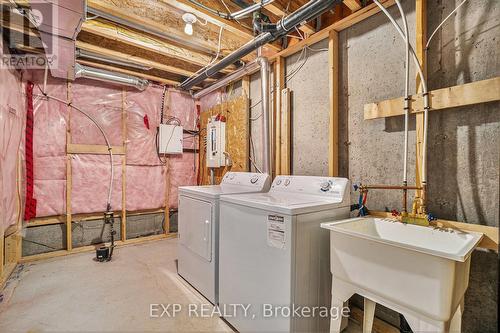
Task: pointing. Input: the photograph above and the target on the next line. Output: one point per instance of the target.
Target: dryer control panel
(260, 181)
(333, 187)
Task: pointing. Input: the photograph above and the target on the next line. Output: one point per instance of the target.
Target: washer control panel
(325, 186)
(257, 180)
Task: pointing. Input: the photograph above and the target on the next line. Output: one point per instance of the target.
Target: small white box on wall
(170, 139)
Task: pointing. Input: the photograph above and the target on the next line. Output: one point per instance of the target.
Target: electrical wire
(96, 123)
(441, 24)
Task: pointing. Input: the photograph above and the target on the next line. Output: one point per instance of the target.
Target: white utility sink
(421, 272)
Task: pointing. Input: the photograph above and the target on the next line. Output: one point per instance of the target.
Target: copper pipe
(389, 187)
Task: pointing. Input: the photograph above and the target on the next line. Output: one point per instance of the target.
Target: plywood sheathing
(237, 134)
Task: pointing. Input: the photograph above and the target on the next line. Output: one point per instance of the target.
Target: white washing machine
(273, 252)
(199, 228)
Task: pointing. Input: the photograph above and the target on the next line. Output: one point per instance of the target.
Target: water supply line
(108, 76)
(305, 13)
(425, 95)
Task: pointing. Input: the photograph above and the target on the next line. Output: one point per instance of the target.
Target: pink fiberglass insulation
(91, 182)
(12, 125)
(145, 187)
(182, 106)
(209, 101)
(104, 103)
(50, 185)
(182, 173)
(143, 109)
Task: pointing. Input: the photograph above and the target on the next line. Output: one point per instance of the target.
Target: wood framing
(148, 43)
(279, 82)
(90, 248)
(353, 5)
(466, 94)
(333, 64)
(285, 133)
(69, 175)
(421, 34)
(123, 224)
(278, 10)
(72, 148)
(338, 26)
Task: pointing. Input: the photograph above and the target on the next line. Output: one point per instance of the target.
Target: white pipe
(441, 24)
(267, 163)
(407, 92)
(424, 88)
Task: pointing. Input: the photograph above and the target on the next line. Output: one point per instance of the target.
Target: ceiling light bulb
(189, 29)
(189, 19)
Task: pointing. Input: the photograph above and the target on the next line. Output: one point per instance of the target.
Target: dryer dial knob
(326, 186)
(254, 180)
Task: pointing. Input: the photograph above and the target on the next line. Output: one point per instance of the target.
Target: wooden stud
(166, 220)
(333, 60)
(245, 86)
(421, 33)
(465, 94)
(353, 5)
(73, 148)
(285, 131)
(279, 82)
(69, 175)
(123, 230)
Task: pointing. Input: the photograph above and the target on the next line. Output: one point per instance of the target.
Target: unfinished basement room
(249, 166)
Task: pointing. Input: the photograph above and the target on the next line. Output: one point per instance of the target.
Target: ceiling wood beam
(148, 43)
(278, 10)
(132, 58)
(228, 25)
(353, 5)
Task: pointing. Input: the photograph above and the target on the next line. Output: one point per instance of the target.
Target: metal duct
(267, 121)
(250, 9)
(303, 14)
(108, 76)
(99, 57)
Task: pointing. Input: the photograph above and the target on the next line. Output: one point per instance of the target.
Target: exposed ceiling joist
(353, 5)
(132, 58)
(149, 43)
(279, 10)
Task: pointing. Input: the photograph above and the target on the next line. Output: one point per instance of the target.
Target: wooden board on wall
(236, 112)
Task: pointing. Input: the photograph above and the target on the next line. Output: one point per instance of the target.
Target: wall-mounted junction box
(170, 139)
(216, 143)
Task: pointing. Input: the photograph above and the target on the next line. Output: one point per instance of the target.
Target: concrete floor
(75, 293)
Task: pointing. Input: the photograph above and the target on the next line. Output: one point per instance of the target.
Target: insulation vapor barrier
(12, 127)
(148, 182)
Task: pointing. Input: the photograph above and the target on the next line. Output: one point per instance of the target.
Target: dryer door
(195, 226)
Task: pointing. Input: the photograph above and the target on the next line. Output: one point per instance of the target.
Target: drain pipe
(267, 161)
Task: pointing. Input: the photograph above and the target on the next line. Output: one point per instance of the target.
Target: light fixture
(190, 19)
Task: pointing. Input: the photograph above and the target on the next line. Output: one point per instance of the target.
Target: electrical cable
(441, 24)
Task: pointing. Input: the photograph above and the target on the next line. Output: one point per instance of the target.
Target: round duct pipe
(108, 76)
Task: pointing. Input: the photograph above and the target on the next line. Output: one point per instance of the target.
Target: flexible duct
(303, 14)
(108, 76)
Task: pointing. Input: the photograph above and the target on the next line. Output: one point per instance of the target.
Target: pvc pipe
(424, 88)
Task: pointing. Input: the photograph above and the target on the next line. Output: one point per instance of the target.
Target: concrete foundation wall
(48, 238)
(463, 155)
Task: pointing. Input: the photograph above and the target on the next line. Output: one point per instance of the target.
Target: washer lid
(285, 203)
(233, 182)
